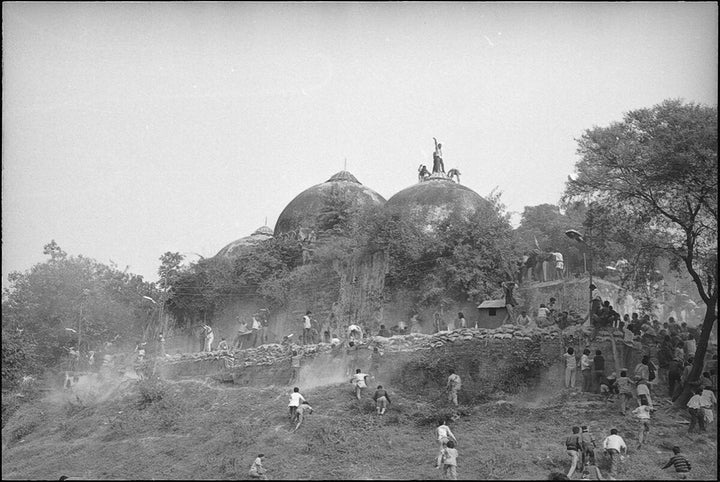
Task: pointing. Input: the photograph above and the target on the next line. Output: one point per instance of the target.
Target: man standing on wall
(263, 327)
(510, 303)
(255, 337)
(307, 327)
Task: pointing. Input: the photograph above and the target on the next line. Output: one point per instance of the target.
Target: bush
(485, 369)
(18, 358)
(151, 391)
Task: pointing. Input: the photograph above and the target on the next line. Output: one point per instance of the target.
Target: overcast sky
(132, 129)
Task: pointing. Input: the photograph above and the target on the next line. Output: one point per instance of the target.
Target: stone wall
(482, 357)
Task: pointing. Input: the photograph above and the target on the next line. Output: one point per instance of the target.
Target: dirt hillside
(194, 429)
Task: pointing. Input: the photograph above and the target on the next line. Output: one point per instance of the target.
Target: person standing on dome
(438, 165)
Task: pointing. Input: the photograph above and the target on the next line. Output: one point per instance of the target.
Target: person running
(382, 400)
(449, 461)
(570, 368)
(453, 385)
(444, 435)
(608, 386)
(643, 393)
(360, 382)
(679, 461)
(615, 447)
(573, 445)
(642, 415)
(300, 413)
(257, 471)
(295, 400)
(588, 446)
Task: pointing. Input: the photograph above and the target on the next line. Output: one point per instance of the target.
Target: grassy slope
(204, 431)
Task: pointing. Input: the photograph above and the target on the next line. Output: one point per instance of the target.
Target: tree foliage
(68, 301)
(656, 171)
(462, 258)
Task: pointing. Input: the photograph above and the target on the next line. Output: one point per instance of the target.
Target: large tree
(73, 301)
(657, 169)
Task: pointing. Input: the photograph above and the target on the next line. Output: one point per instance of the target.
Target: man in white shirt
(359, 379)
(307, 328)
(295, 400)
(615, 447)
(642, 414)
(559, 265)
(444, 434)
(257, 471)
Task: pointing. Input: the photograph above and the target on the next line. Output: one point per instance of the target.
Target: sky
(133, 129)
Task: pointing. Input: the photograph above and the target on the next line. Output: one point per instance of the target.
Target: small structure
(492, 313)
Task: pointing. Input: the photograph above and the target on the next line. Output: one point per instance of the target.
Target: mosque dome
(236, 247)
(435, 198)
(304, 210)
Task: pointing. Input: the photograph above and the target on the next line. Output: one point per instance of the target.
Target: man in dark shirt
(573, 444)
(598, 370)
(674, 374)
(382, 400)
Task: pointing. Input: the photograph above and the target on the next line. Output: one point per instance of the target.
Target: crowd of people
(673, 348)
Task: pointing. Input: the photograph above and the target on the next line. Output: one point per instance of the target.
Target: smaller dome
(303, 211)
(238, 246)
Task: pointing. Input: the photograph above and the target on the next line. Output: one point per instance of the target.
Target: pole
(589, 250)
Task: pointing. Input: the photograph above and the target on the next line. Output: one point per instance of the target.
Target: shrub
(151, 391)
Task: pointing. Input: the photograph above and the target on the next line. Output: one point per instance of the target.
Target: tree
(657, 169)
(547, 224)
(462, 258)
(71, 301)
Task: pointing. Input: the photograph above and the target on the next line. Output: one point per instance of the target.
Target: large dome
(236, 247)
(435, 198)
(303, 211)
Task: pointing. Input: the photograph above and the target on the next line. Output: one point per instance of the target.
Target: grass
(196, 430)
